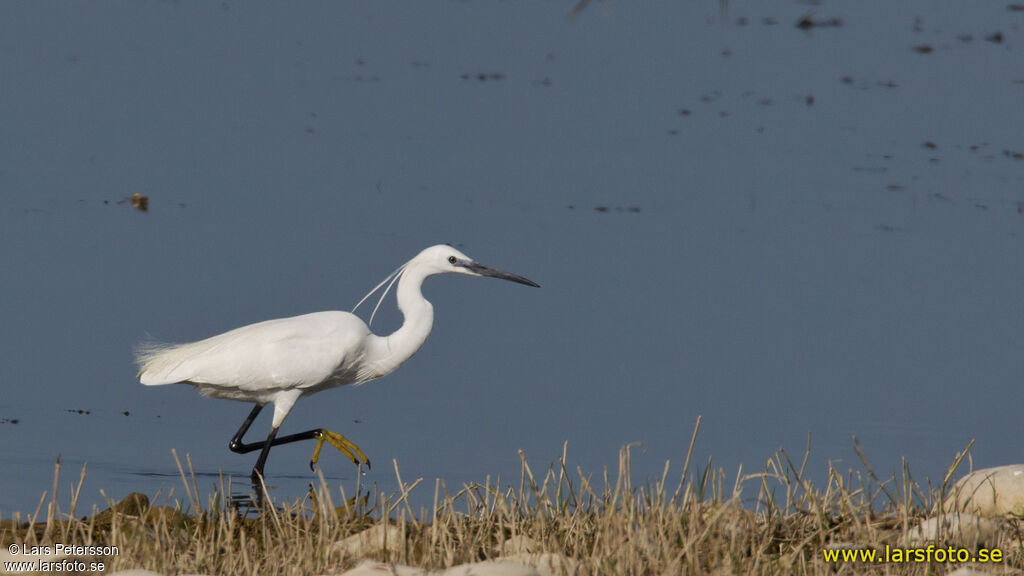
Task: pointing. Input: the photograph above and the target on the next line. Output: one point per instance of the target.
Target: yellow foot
(344, 445)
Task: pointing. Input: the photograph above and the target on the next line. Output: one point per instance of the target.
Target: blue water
(786, 231)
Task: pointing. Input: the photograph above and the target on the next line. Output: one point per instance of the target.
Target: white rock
(548, 564)
(371, 568)
(990, 492)
(962, 528)
(374, 539)
(846, 546)
(966, 571)
(519, 565)
(491, 568)
(488, 568)
(518, 544)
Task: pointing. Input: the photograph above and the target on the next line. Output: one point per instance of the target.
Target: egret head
(443, 259)
(440, 259)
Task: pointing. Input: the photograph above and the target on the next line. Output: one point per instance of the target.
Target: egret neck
(386, 353)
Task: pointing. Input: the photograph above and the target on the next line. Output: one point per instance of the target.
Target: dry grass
(693, 523)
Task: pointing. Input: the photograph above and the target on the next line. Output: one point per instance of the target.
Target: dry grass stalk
(697, 526)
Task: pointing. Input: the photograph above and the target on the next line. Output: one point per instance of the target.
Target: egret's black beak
(485, 271)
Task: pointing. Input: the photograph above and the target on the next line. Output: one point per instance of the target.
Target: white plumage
(279, 361)
(250, 362)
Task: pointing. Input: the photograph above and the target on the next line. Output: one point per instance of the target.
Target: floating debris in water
(886, 228)
(9, 420)
(930, 145)
(137, 201)
(483, 76)
(578, 8)
(923, 49)
(605, 209)
(79, 411)
(710, 96)
(806, 22)
(996, 38)
(140, 202)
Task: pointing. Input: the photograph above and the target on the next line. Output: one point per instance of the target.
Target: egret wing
(300, 351)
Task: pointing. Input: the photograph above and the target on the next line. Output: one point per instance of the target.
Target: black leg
(257, 470)
(335, 439)
(236, 444)
(240, 447)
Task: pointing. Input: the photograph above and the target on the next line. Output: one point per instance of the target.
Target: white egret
(279, 361)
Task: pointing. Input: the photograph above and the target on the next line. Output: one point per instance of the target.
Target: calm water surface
(787, 231)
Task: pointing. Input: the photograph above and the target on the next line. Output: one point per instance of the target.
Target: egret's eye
(452, 260)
